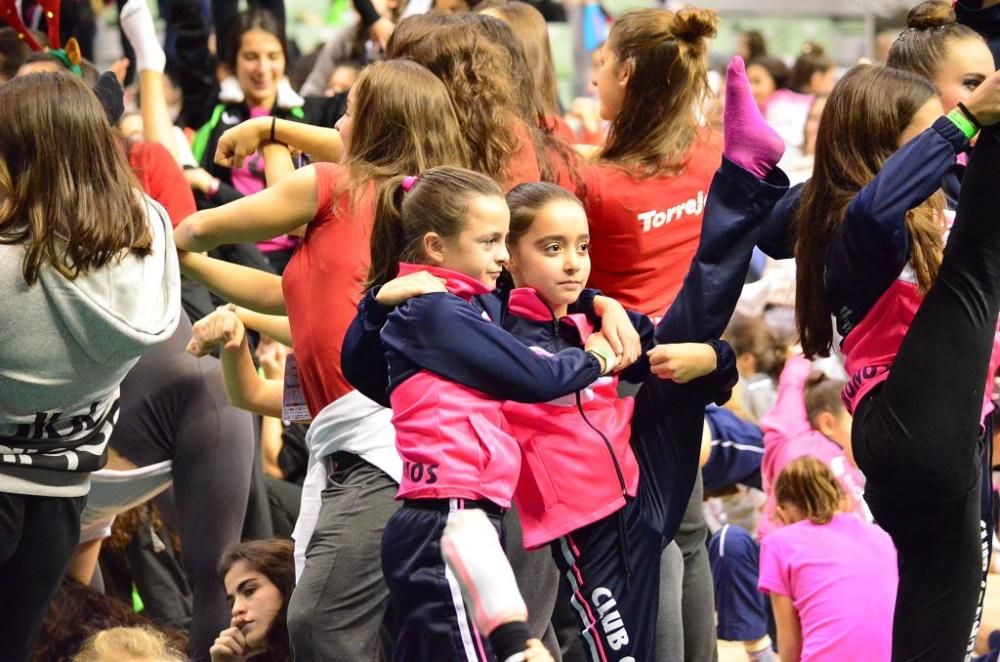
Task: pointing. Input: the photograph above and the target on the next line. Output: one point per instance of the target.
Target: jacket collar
(525, 303)
(457, 283)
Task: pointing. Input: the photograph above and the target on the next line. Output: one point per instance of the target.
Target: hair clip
(409, 182)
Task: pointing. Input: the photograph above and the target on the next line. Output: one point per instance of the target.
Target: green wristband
(963, 123)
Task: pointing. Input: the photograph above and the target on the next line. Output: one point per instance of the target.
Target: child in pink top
(808, 419)
(831, 576)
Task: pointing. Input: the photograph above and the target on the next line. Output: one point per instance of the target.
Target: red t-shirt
(523, 166)
(162, 179)
(557, 123)
(323, 283)
(644, 232)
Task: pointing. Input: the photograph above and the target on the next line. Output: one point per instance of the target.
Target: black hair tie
(969, 116)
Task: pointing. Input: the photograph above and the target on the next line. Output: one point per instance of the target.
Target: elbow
(190, 235)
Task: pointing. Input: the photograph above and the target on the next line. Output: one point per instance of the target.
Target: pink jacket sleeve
(788, 416)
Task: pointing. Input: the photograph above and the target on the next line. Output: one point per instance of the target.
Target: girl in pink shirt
(831, 576)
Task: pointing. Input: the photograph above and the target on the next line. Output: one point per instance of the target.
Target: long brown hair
(930, 28)
(273, 558)
(404, 123)
(536, 122)
(531, 30)
(658, 122)
(810, 486)
(859, 130)
(66, 192)
(476, 72)
(437, 202)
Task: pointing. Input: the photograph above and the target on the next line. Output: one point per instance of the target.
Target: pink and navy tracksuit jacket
(579, 464)
(869, 283)
(449, 368)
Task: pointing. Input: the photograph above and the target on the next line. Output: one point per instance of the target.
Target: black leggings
(917, 436)
(174, 406)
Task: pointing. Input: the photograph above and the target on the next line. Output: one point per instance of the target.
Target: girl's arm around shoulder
(363, 358)
(445, 335)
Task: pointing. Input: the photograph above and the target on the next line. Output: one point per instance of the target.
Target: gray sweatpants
(689, 621)
(538, 579)
(339, 603)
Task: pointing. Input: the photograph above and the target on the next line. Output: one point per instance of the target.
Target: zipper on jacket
(623, 542)
(607, 444)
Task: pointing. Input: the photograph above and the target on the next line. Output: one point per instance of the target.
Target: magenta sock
(751, 143)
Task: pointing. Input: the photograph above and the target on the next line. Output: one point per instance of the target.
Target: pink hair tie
(408, 182)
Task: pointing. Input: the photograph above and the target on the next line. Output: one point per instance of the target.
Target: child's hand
(617, 328)
(219, 329)
(682, 362)
(404, 288)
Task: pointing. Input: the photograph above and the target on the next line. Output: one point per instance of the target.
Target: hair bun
(694, 25)
(930, 14)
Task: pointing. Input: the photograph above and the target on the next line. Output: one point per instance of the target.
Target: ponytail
(668, 85)
(810, 486)
(388, 240)
(407, 208)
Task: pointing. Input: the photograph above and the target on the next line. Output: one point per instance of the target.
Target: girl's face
(260, 65)
(610, 81)
(930, 111)
(553, 256)
(761, 84)
(255, 600)
(823, 82)
(480, 249)
(969, 63)
(345, 125)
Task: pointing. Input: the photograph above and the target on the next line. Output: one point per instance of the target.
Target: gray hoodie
(65, 346)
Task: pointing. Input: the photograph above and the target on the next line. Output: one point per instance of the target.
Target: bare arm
(245, 286)
(789, 628)
(274, 211)
(239, 142)
(271, 355)
(244, 387)
(277, 162)
(156, 124)
(275, 326)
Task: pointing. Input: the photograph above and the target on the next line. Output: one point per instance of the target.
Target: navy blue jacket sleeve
(737, 205)
(447, 336)
(737, 451)
(873, 244)
(910, 176)
(777, 235)
(363, 356)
